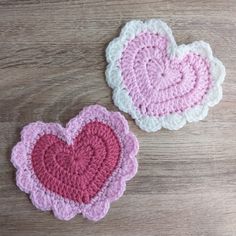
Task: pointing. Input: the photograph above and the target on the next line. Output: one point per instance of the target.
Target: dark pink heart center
(160, 85)
(77, 171)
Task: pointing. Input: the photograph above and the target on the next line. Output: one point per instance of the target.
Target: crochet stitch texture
(159, 83)
(81, 168)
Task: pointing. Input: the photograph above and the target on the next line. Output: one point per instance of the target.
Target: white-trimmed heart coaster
(159, 83)
(81, 168)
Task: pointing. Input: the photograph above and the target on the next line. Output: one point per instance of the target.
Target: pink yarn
(78, 169)
(160, 85)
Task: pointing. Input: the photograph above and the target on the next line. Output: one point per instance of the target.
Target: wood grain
(52, 64)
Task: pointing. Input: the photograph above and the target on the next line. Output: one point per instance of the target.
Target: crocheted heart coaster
(159, 83)
(81, 168)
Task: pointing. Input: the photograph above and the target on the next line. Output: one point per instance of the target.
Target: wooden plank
(52, 64)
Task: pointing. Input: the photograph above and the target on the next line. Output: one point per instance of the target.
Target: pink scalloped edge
(112, 190)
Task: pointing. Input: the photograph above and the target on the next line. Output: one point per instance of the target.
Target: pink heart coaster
(81, 168)
(159, 83)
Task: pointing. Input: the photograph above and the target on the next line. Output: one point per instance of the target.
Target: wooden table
(52, 64)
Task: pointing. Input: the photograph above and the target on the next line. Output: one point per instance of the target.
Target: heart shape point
(76, 169)
(159, 83)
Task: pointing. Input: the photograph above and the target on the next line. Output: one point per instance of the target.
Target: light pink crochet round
(160, 85)
(78, 169)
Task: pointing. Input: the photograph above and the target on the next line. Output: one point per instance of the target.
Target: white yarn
(124, 101)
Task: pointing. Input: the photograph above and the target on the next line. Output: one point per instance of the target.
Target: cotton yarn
(81, 168)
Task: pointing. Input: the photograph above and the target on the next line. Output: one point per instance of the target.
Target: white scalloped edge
(121, 97)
